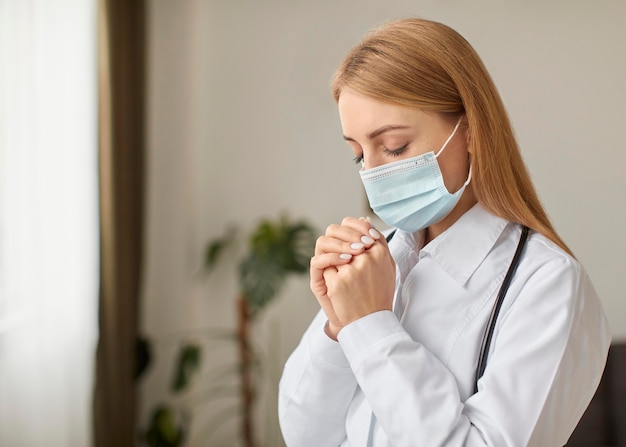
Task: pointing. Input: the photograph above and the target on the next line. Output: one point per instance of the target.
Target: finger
(319, 264)
(329, 244)
(353, 232)
(332, 279)
(373, 230)
(329, 274)
(325, 260)
(348, 233)
(363, 226)
(379, 252)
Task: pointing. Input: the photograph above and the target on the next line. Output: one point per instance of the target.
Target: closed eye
(358, 159)
(396, 152)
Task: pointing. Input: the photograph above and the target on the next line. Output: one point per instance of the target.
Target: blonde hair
(427, 65)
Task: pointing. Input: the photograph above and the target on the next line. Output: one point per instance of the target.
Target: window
(48, 221)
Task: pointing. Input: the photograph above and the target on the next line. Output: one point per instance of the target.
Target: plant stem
(245, 371)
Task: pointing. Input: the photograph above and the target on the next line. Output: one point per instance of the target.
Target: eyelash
(393, 152)
(396, 152)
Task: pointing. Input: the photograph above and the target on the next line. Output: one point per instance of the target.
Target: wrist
(331, 330)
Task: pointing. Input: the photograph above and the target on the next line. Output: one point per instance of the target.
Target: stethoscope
(488, 335)
(491, 324)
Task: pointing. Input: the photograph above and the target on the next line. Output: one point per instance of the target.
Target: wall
(242, 126)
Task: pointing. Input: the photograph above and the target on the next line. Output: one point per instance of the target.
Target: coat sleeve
(315, 391)
(545, 363)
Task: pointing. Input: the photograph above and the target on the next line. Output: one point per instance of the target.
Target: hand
(364, 285)
(345, 246)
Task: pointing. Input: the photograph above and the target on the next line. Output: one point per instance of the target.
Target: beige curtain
(121, 26)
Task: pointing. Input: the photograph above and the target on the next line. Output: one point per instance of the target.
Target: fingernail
(375, 234)
(367, 240)
(345, 255)
(356, 246)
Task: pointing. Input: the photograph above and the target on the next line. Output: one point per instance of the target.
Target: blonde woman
(471, 323)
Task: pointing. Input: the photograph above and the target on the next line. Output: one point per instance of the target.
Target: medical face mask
(410, 194)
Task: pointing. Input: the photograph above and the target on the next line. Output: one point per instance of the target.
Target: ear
(466, 131)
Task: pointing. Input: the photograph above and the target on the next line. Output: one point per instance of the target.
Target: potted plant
(275, 250)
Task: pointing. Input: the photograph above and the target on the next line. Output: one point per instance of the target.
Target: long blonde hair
(427, 65)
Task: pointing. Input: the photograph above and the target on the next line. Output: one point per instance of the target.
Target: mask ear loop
(449, 138)
(469, 175)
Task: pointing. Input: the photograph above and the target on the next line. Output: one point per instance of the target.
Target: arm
(317, 385)
(534, 389)
(315, 391)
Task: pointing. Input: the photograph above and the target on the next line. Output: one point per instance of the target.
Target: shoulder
(541, 252)
(548, 270)
(557, 274)
(551, 282)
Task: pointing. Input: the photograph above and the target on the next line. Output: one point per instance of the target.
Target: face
(380, 132)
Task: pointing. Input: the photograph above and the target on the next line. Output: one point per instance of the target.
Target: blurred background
(136, 135)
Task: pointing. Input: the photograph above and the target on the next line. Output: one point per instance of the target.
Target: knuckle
(346, 220)
(331, 228)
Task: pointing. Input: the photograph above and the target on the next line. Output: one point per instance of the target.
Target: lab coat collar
(461, 248)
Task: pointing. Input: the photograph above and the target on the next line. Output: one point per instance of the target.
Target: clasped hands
(352, 273)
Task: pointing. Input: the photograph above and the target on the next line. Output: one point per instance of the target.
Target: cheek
(455, 171)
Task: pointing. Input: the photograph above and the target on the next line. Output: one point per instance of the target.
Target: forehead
(360, 114)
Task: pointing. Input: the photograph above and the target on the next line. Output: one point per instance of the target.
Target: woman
(391, 359)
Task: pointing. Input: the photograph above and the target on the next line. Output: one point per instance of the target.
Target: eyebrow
(379, 131)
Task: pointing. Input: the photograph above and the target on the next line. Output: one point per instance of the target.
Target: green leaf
(187, 364)
(163, 430)
(216, 247)
(276, 249)
(261, 280)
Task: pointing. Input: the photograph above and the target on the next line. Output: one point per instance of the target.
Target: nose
(371, 159)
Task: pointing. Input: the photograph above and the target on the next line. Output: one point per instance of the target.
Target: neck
(467, 201)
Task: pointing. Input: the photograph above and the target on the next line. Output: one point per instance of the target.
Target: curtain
(121, 143)
(48, 222)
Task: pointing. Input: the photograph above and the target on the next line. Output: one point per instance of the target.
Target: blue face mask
(410, 194)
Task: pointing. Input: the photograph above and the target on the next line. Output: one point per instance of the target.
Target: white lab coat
(406, 378)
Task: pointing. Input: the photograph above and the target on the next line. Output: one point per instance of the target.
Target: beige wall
(241, 126)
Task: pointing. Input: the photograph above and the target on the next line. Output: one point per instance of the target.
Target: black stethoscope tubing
(491, 325)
